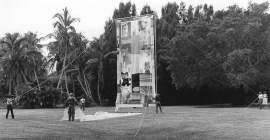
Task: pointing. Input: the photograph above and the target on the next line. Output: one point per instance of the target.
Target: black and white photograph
(134, 69)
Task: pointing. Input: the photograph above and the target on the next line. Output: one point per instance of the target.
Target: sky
(36, 15)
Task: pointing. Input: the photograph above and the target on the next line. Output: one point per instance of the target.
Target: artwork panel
(125, 30)
(136, 44)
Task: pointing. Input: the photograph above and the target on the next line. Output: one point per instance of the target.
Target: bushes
(46, 98)
(29, 100)
(50, 97)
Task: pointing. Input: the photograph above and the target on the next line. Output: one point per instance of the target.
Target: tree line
(203, 57)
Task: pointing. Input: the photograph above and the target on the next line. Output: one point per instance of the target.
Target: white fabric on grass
(79, 115)
(106, 115)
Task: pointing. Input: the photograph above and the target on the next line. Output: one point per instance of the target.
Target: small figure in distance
(265, 99)
(158, 103)
(82, 103)
(260, 97)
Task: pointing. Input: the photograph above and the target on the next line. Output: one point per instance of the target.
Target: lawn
(183, 122)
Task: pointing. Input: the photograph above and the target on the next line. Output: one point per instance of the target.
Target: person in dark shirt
(158, 104)
(10, 107)
(70, 103)
(260, 97)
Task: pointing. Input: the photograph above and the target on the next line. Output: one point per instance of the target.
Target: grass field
(184, 122)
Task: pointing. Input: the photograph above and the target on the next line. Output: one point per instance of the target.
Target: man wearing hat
(70, 103)
(10, 106)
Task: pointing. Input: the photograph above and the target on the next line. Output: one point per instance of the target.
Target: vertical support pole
(155, 51)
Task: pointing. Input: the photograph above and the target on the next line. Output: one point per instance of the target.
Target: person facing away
(260, 97)
(70, 103)
(10, 107)
(158, 103)
(82, 103)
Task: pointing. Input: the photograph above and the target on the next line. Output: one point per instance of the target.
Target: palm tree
(80, 68)
(64, 29)
(13, 59)
(35, 58)
(102, 52)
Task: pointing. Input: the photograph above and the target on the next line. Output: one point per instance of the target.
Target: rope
(141, 122)
(253, 101)
(155, 80)
(253, 91)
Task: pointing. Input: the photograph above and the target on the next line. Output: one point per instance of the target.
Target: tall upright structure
(136, 61)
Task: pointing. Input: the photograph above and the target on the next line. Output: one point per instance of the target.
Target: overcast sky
(36, 15)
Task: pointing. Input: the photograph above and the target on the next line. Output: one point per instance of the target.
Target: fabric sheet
(79, 115)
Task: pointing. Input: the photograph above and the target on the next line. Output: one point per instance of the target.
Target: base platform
(133, 105)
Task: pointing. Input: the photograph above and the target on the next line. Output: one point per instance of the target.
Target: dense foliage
(204, 57)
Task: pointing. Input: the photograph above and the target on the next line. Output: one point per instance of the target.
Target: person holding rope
(158, 103)
(70, 103)
(10, 106)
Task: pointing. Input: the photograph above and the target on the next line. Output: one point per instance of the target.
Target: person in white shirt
(82, 103)
(265, 99)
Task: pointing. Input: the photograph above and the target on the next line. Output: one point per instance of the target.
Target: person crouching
(70, 103)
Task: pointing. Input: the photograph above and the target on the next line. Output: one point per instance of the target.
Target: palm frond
(6, 43)
(72, 70)
(59, 17)
(72, 20)
(72, 29)
(19, 42)
(109, 53)
(91, 61)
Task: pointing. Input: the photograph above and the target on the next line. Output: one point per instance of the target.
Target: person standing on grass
(82, 103)
(260, 97)
(71, 102)
(10, 107)
(158, 104)
(265, 99)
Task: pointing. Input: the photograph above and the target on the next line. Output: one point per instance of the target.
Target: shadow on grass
(253, 105)
(219, 106)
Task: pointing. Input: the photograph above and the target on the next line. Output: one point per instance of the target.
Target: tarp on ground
(79, 115)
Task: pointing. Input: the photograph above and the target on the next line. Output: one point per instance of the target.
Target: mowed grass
(184, 122)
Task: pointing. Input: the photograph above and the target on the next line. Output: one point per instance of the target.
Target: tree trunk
(9, 87)
(24, 77)
(63, 68)
(37, 80)
(98, 83)
(73, 84)
(99, 98)
(85, 83)
(88, 93)
(66, 82)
